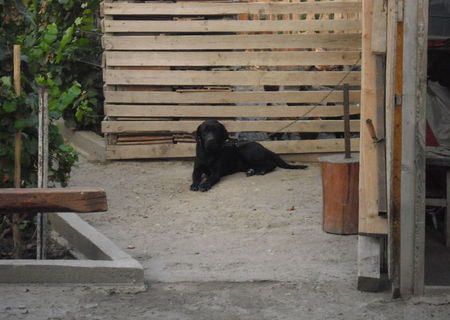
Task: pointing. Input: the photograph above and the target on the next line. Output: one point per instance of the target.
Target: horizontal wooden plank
(187, 150)
(280, 58)
(225, 111)
(182, 26)
(32, 200)
(231, 125)
(218, 78)
(215, 8)
(229, 97)
(232, 42)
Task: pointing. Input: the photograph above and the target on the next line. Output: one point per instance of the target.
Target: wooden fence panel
(268, 66)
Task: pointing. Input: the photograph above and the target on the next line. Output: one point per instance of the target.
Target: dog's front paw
(205, 186)
(250, 172)
(194, 187)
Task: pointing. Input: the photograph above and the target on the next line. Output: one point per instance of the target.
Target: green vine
(60, 47)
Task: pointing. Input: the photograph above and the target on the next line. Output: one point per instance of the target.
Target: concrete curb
(107, 265)
(89, 144)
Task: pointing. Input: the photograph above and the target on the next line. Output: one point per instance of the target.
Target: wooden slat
(229, 25)
(34, 200)
(208, 8)
(186, 150)
(370, 222)
(285, 58)
(229, 97)
(216, 42)
(249, 78)
(231, 125)
(225, 111)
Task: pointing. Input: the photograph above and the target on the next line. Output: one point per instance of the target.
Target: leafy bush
(59, 49)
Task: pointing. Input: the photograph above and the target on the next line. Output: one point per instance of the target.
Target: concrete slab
(106, 264)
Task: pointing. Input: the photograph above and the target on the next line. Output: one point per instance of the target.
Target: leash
(320, 102)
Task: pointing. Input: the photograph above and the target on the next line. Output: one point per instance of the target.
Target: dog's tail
(282, 164)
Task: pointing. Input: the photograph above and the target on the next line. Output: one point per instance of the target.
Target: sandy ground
(235, 252)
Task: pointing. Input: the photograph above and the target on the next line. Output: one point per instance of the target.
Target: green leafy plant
(59, 47)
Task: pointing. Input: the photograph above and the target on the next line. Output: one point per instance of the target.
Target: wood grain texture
(224, 111)
(282, 58)
(165, 97)
(182, 26)
(225, 78)
(231, 125)
(187, 150)
(228, 42)
(208, 8)
(33, 200)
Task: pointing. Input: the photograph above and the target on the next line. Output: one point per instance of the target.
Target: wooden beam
(228, 42)
(214, 8)
(412, 254)
(241, 97)
(277, 58)
(183, 26)
(226, 78)
(231, 125)
(370, 221)
(33, 200)
(187, 150)
(224, 111)
(379, 27)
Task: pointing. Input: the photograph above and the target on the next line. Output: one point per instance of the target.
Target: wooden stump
(340, 193)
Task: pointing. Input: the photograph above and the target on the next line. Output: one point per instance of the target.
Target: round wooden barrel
(340, 180)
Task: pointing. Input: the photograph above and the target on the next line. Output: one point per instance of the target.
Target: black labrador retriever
(216, 157)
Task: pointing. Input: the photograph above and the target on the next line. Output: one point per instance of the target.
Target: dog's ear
(198, 136)
(224, 133)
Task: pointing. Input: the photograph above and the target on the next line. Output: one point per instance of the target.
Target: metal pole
(41, 225)
(347, 122)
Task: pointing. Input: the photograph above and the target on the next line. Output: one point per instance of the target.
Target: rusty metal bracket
(372, 132)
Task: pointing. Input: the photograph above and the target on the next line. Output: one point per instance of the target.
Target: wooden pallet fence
(170, 65)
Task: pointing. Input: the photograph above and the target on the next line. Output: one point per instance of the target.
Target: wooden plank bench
(34, 200)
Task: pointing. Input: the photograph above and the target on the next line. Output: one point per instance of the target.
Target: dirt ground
(250, 248)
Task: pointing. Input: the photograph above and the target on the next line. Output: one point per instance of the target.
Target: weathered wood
(393, 141)
(369, 271)
(17, 241)
(280, 58)
(187, 150)
(340, 194)
(447, 213)
(370, 221)
(33, 200)
(41, 221)
(379, 27)
(228, 25)
(412, 245)
(226, 42)
(224, 111)
(231, 125)
(218, 78)
(208, 8)
(229, 97)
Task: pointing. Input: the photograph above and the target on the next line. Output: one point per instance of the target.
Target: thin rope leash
(321, 101)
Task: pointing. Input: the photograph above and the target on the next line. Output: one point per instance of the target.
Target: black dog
(215, 157)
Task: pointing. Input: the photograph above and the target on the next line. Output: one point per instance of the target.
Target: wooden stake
(17, 157)
(41, 227)
(347, 121)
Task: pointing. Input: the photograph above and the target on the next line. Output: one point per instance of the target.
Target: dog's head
(211, 135)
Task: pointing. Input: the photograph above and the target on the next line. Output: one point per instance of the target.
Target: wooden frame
(169, 65)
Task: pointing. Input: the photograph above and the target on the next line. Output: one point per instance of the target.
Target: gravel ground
(250, 248)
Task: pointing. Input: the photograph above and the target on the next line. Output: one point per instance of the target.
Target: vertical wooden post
(17, 156)
(394, 80)
(41, 226)
(347, 121)
(412, 238)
